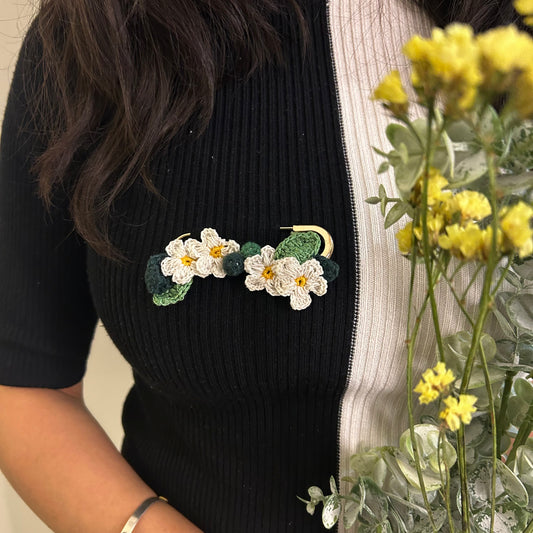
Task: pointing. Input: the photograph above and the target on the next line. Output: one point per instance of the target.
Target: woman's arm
(63, 464)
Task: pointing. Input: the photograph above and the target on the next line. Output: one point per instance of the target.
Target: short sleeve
(47, 318)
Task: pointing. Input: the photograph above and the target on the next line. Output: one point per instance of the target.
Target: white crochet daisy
(211, 252)
(181, 261)
(298, 280)
(261, 271)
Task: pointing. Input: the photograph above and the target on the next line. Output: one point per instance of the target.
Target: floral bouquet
(465, 182)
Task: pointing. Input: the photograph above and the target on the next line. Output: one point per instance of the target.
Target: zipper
(354, 219)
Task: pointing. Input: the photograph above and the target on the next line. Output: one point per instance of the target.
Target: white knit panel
(367, 38)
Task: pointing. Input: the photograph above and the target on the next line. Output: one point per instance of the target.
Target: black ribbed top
(235, 406)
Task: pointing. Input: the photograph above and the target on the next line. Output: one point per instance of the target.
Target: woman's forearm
(65, 467)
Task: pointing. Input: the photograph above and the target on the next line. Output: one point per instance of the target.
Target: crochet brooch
(295, 268)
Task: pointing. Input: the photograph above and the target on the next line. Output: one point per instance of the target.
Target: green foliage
(420, 486)
(408, 157)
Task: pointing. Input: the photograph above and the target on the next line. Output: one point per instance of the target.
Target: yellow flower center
(216, 251)
(268, 273)
(186, 260)
(301, 281)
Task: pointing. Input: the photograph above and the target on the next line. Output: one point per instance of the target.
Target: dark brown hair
(480, 14)
(124, 76)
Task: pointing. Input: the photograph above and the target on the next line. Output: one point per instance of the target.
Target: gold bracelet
(133, 520)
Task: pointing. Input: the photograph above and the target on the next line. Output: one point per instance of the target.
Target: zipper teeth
(354, 219)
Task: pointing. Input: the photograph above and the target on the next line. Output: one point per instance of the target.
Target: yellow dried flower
(458, 411)
(436, 184)
(487, 242)
(404, 238)
(471, 204)
(521, 94)
(392, 93)
(467, 243)
(505, 54)
(435, 223)
(525, 8)
(448, 63)
(434, 382)
(516, 226)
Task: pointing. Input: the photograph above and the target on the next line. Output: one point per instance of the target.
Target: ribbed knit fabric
(374, 406)
(240, 403)
(234, 411)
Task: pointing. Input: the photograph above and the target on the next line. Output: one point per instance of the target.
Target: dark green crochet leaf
(302, 245)
(175, 294)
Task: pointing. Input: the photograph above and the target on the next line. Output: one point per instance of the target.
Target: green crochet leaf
(302, 245)
(175, 294)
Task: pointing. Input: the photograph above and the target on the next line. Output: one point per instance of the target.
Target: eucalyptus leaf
(310, 508)
(459, 131)
(478, 387)
(383, 167)
(396, 518)
(512, 486)
(502, 297)
(403, 153)
(398, 134)
(408, 156)
(507, 350)
(407, 174)
(315, 493)
(506, 328)
(397, 211)
(520, 153)
(513, 279)
(479, 483)
(331, 511)
(508, 518)
(525, 349)
(333, 485)
(363, 462)
(525, 270)
(489, 346)
(523, 465)
(429, 439)
(470, 169)
(446, 456)
(383, 527)
(379, 152)
(520, 310)
(517, 410)
(513, 183)
(373, 200)
(456, 350)
(507, 483)
(423, 525)
(375, 502)
(508, 367)
(476, 431)
(490, 125)
(524, 390)
(351, 513)
(431, 481)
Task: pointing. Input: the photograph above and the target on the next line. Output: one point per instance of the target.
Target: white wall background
(108, 377)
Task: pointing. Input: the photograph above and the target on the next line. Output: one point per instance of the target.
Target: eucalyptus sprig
(464, 180)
